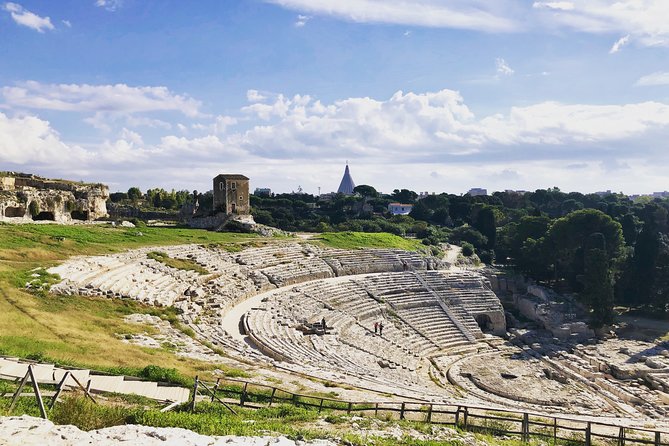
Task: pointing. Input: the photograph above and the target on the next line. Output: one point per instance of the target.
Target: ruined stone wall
(25, 198)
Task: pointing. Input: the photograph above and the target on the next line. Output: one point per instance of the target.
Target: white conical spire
(347, 185)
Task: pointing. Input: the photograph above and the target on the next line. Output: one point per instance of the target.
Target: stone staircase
(14, 368)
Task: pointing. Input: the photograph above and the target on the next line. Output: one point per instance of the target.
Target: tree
(366, 191)
(485, 223)
(597, 281)
(404, 196)
(134, 193)
(569, 235)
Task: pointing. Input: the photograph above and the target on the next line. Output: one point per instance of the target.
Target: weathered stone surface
(26, 198)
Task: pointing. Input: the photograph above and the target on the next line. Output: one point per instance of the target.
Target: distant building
(604, 193)
(262, 192)
(476, 191)
(425, 194)
(347, 185)
(399, 208)
(664, 194)
(231, 194)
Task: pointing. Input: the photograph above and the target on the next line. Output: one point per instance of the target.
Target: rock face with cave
(25, 198)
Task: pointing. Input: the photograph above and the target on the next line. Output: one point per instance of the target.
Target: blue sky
(431, 95)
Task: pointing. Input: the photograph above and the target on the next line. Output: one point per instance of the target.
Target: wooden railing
(526, 425)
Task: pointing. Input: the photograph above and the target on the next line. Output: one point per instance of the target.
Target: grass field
(78, 330)
(356, 240)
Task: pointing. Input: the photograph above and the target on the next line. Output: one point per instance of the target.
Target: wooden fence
(525, 425)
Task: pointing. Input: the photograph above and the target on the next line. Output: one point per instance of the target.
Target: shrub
(34, 209)
(87, 415)
(157, 373)
(467, 249)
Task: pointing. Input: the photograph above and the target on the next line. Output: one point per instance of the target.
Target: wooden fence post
(402, 411)
(350, 406)
(554, 429)
(621, 436)
(59, 389)
(429, 414)
(457, 417)
(376, 409)
(218, 380)
(18, 392)
(38, 394)
(526, 428)
(321, 406)
(242, 396)
(466, 413)
(192, 403)
(588, 431)
(271, 398)
(657, 438)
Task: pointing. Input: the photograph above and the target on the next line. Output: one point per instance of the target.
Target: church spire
(347, 185)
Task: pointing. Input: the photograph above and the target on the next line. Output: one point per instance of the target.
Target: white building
(399, 208)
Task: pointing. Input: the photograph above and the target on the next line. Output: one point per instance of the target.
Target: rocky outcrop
(27, 198)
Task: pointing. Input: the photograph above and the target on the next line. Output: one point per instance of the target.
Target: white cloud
(132, 137)
(255, 96)
(26, 18)
(67, 23)
(411, 126)
(109, 5)
(302, 20)
(619, 44)
(644, 20)
(503, 69)
(302, 137)
(658, 78)
(473, 14)
(30, 140)
(118, 98)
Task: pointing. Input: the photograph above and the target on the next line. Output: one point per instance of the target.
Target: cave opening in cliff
(79, 215)
(44, 216)
(15, 211)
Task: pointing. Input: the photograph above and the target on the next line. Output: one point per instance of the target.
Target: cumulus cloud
(503, 69)
(474, 14)
(658, 78)
(410, 126)
(619, 44)
(422, 132)
(30, 140)
(23, 17)
(97, 98)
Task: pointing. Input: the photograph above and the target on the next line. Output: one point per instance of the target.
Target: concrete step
(102, 383)
(143, 388)
(81, 375)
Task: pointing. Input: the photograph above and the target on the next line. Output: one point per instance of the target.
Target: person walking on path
(380, 328)
(376, 327)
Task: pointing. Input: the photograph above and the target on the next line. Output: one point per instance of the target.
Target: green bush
(87, 415)
(157, 373)
(34, 209)
(467, 249)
